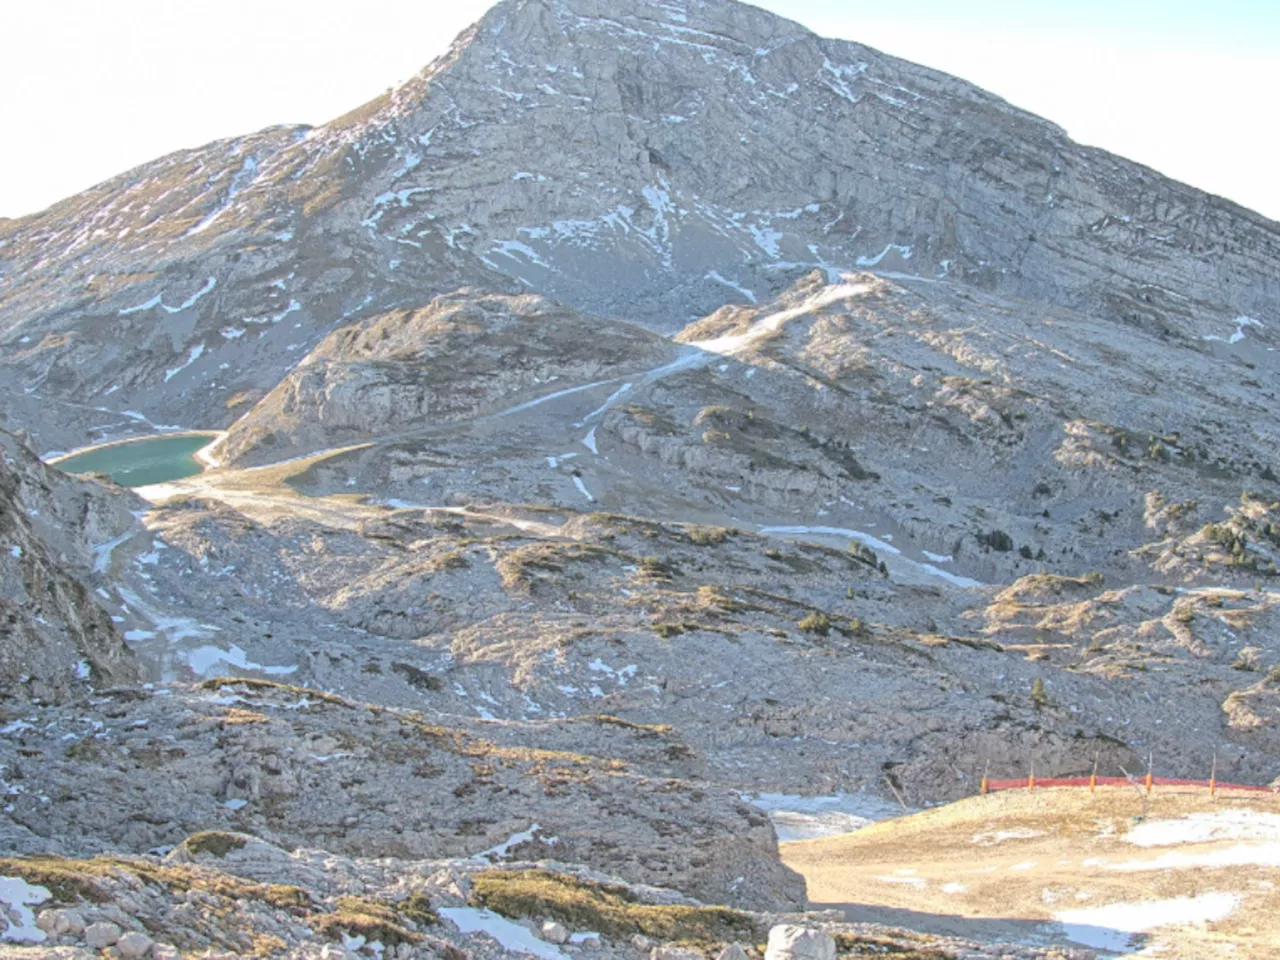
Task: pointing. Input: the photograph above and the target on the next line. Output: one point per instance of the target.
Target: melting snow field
(1112, 927)
(808, 818)
(886, 551)
(1241, 855)
(205, 660)
(511, 936)
(503, 849)
(1207, 828)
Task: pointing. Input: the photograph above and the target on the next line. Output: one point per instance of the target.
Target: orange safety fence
(1033, 782)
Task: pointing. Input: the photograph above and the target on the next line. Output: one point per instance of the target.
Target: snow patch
(192, 357)
(503, 849)
(873, 261)
(1241, 855)
(529, 404)
(158, 301)
(714, 275)
(613, 398)
(1241, 323)
(1207, 828)
(1112, 927)
(102, 552)
(510, 935)
(582, 488)
(20, 896)
(806, 818)
(203, 660)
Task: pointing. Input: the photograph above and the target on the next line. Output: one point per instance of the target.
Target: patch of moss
(606, 908)
(708, 536)
(818, 623)
(73, 881)
(215, 842)
(866, 945)
(375, 920)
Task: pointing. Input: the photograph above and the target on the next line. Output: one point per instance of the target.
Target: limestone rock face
(646, 161)
(788, 941)
(460, 356)
(54, 636)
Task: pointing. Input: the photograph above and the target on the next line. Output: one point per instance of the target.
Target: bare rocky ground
(559, 509)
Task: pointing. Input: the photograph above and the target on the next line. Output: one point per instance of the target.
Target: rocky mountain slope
(461, 355)
(55, 636)
(690, 154)
(648, 414)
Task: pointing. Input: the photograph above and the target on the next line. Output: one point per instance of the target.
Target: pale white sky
(90, 88)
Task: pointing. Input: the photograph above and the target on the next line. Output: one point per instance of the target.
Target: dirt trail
(1197, 874)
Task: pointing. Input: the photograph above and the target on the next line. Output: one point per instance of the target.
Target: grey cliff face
(55, 637)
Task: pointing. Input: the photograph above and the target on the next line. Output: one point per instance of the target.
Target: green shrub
(214, 842)
(818, 623)
(863, 554)
(996, 540)
(1039, 695)
(708, 536)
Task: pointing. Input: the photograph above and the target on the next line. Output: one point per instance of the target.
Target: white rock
(554, 932)
(791, 942)
(99, 935)
(48, 921)
(163, 951)
(733, 951)
(669, 952)
(133, 946)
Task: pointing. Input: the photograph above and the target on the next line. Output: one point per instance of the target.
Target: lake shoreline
(142, 461)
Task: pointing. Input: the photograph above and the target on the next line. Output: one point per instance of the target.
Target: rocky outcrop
(460, 356)
(55, 638)
(300, 768)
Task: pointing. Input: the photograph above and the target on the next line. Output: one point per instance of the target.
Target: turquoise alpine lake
(138, 463)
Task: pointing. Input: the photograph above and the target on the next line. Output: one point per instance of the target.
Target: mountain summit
(641, 160)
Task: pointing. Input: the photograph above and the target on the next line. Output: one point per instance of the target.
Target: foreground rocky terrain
(814, 426)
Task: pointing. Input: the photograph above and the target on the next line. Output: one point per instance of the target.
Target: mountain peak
(689, 152)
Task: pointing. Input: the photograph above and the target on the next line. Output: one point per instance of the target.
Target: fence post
(1093, 777)
(1213, 776)
(1031, 777)
(1150, 757)
(985, 777)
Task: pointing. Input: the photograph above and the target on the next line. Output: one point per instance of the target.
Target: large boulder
(788, 941)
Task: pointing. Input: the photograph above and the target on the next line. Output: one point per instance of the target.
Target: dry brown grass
(75, 881)
(605, 908)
